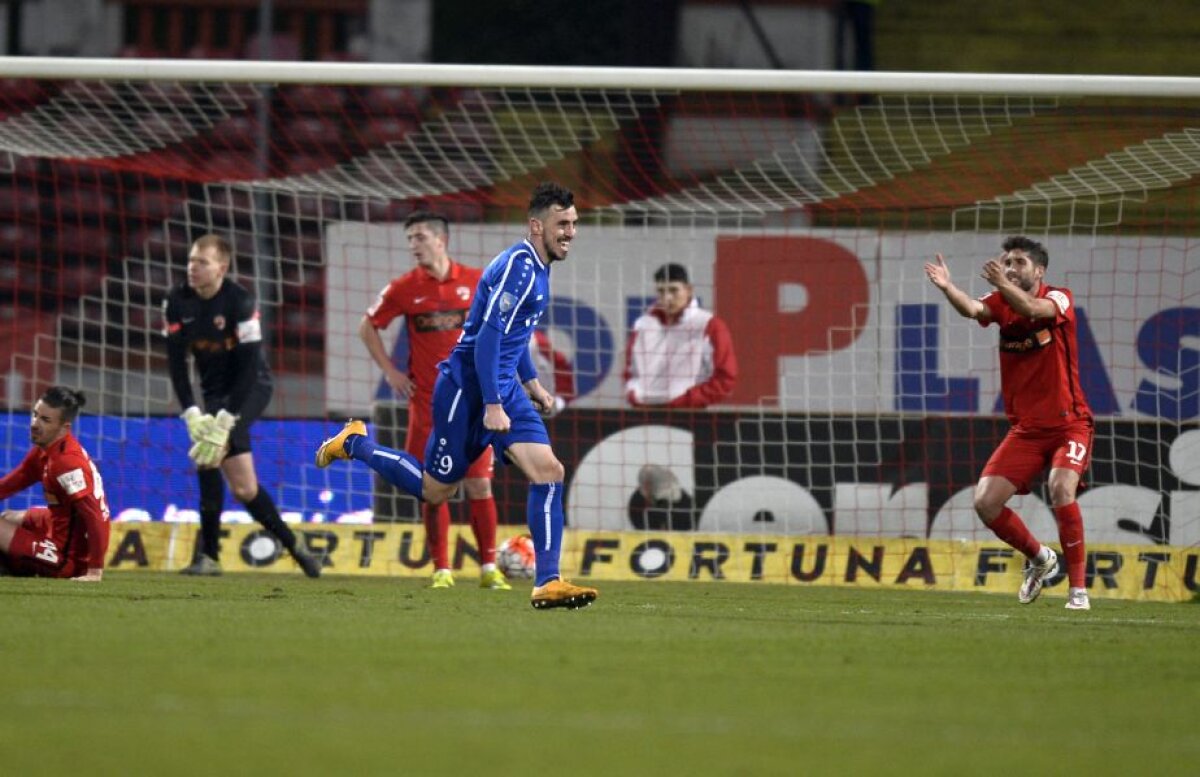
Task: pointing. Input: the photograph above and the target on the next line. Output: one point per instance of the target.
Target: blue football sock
(402, 470)
(545, 516)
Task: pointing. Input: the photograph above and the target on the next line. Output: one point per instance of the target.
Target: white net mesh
(863, 406)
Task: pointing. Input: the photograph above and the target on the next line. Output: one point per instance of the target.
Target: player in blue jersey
(487, 393)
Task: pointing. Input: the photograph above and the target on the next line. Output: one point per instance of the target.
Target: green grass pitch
(159, 674)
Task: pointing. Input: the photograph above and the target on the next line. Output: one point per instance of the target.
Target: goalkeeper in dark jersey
(216, 321)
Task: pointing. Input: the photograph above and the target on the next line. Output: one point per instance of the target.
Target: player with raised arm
(216, 321)
(434, 298)
(1051, 423)
(68, 537)
(488, 394)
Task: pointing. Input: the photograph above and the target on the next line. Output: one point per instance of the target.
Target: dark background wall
(531, 32)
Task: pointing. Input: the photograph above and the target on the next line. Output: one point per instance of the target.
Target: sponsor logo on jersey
(212, 346)
(1039, 339)
(72, 482)
(439, 320)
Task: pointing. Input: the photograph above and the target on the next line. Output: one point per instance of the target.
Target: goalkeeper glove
(211, 447)
(197, 422)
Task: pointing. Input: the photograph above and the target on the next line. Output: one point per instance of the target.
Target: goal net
(802, 206)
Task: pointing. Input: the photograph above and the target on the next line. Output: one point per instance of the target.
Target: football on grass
(515, 557)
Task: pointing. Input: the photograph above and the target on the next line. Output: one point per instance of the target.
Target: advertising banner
(1121, 572)
(742, 472)
(826, 321)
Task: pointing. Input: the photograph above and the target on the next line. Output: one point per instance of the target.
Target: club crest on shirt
(463, 292)
(219, 322)
(508, 301)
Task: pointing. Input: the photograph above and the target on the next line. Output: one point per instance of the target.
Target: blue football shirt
(493, 351)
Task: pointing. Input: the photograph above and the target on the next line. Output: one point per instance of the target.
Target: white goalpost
(803, 205)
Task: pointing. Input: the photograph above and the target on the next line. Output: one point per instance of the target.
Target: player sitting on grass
(69, 537)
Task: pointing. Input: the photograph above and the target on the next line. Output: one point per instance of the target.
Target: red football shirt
(68, 477)
(1039, 362)
(434, 312)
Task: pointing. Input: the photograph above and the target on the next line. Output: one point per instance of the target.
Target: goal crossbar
(683, 79)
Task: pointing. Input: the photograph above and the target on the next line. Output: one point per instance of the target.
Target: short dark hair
(218, 242)
(1032, 248)
(440, 223)
(671, 272)
(67, 400)
(546, 194)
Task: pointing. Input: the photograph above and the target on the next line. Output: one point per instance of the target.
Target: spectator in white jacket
(678, 355)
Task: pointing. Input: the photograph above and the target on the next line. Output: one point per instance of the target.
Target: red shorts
(420, 424)
(1026, 453)
(33, 553)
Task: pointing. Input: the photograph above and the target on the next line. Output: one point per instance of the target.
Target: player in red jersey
(69, 537)
(434, 298)
(1051, 423)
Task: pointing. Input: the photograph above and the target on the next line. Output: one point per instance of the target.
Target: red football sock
(1009, 527)
(1070, 534)
(437, 533)
(482, 515)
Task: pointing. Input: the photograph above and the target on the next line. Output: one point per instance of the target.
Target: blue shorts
(459, 436)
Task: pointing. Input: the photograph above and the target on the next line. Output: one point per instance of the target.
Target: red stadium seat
(343, 56)
(460, 211)
(313, 133)
(83, 202)
(394, 100)
(77, 280)
(81, 241)
(380, 132)
(19, 203)
(153, 204)
(165, 95)
(393, 210)
(141, 52)
(164, 128)
(298, 164)
(20, 241)
(280, 47)
(19, 94)
(238, 132)
(24, 167)
(313, 99)
(200, 51)
(166, 243)
(22, 282)
(229, 165)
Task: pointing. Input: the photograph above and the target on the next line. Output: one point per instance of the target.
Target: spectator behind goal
(678, 354)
